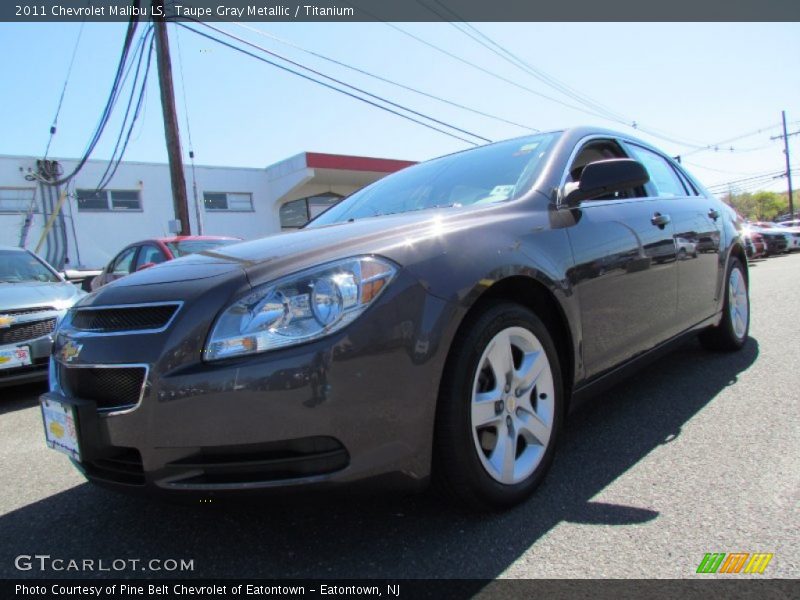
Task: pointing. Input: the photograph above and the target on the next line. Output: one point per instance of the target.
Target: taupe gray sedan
(436, 325)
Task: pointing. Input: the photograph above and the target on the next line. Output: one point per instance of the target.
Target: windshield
(493, 173)
(19, 267)
(185, 247)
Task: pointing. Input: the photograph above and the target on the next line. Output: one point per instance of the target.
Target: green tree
(759, 206)
(769, 205)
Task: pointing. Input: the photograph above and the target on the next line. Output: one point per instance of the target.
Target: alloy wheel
(738, 303)
(512, 407)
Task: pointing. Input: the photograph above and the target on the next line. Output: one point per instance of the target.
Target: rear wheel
(500, 410)
(732, 331)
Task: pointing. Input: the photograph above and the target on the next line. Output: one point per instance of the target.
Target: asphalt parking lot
(697, 453)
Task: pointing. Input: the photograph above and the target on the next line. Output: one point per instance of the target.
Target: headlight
(299, 308)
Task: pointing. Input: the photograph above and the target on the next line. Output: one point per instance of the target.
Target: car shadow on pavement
(394, 537)
(20, 397)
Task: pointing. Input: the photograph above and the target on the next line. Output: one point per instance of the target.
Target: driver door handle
(660, 220)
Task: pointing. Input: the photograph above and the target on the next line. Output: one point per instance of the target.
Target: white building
(137, 204)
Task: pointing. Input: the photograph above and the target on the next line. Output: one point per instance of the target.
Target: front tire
(732, 332)
(500, 409)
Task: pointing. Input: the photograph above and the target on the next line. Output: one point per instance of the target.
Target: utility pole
(785, 137)
(179, 199)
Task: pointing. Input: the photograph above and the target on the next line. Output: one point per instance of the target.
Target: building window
(297, 213)
(237, 202)
(17, 200)
(108, 200)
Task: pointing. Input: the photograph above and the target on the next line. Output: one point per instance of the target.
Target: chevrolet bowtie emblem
(69, 351)
(6, 321)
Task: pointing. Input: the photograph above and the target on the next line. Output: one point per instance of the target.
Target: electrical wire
(63, 91)
(115, 159)
(760, 176)
(106, 114)
(385, 79)
(460, 24)
(340, 82)
(716, 146)
(198, 213)
(715, 170)
(597, 110)
(324, 84)
(143, 46)
(482, 69)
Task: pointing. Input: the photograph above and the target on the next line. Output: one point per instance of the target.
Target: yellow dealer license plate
(13, 356)
(61, 427)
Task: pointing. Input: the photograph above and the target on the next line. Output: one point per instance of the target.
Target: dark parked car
(754, 244)
(148, 253)
(438, 323)
(775, 242)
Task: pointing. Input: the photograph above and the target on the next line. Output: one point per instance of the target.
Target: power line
(57, 179)
(478, 67)
(715, 170)
(329, 86)
(63, 90)
(385, 79)
(758, 177)
(115, 160)
(598, 109)
(563, 88)
(742, 180)
(716, 146)
(340, 82)
(508, 56)
(198, 213)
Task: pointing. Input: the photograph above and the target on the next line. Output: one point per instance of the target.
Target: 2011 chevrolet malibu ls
(437, 324)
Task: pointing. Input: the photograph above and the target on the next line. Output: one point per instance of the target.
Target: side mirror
(605, 177)
(146, 266)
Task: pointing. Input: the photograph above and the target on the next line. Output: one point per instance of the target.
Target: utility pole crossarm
(780, 137)
(179, 199)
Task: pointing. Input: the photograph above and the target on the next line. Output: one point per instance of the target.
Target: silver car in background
(33, 299)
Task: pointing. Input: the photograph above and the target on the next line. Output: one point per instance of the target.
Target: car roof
(12, 248)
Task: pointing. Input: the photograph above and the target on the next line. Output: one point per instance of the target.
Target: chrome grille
(22, 332)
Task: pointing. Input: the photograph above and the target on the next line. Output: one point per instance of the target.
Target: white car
(790, 233)
(792, 223)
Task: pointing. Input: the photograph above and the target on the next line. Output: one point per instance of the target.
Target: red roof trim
(317, 160)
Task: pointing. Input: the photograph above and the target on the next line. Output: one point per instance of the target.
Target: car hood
(36, 293)
(404, 238)
(408, 239)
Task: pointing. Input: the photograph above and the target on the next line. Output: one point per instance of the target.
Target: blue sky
(696, 82)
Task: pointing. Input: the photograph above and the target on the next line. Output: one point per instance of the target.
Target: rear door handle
(713, 214)
(660, 220)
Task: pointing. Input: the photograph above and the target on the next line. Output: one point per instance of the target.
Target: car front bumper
(36, 371)
(358, 405)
